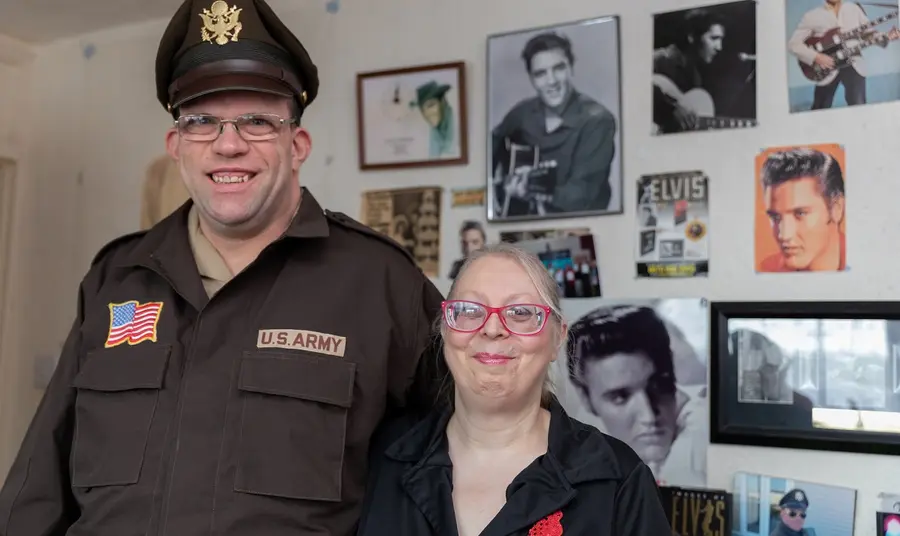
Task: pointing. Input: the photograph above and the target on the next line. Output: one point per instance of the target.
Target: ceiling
(41, 21)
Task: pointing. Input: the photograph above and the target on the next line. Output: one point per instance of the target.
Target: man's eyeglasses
(796, 513)
(519, 319)
(251, 127)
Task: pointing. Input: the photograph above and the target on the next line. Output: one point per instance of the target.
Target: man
(623, 368)
(471, 239)
(562, 142)
(226, 368)
(803, 194)
(792, 514)
(681, 67)
(815, 22)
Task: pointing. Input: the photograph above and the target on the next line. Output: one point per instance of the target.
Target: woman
(501, 457)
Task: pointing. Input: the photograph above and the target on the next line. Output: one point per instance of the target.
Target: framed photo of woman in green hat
(412, 117)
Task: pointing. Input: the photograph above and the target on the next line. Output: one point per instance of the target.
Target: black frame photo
(806, 375)
(554, 121)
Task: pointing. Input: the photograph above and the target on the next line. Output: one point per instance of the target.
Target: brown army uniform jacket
(248, 413)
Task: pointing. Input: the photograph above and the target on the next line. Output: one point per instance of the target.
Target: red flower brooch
(549, 526)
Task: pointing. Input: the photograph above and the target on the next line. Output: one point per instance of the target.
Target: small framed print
(806, 375)
(412, 117)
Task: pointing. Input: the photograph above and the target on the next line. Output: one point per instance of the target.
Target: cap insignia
(220, 22)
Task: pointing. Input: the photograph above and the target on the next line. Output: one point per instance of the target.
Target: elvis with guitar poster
(704, 68)
(841, 45)
(554, 120)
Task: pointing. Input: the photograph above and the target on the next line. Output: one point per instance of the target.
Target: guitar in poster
(673, 225)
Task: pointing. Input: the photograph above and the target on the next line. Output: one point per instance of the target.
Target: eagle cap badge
(221, 23)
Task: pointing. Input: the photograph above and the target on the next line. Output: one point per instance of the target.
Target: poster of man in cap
(794, 508)
(413, 116)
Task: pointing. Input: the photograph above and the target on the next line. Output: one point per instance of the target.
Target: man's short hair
(801, 163)
(607, 331)
(698, 21)
(472, 225)
(544, 42)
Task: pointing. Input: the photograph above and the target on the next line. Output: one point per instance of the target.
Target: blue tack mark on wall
(333, 6)
(89, 51)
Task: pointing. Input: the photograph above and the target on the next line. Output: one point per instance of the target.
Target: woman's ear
(562, 339)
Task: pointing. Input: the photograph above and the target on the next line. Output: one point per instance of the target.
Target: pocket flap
(124, 368)
(299, 375)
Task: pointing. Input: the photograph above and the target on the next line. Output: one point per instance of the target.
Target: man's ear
(301, 146)
(837, 210)
(172, 143)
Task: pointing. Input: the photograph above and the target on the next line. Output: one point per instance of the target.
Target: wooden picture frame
(412, 117)
(806, 375)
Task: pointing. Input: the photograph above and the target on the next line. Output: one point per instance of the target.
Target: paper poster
(412, 217)
(801, 218)
(673, 225)
(637, 370)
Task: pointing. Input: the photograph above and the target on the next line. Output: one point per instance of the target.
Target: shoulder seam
(347, 222)
(115, 242)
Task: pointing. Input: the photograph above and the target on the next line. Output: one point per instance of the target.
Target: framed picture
(412, 117)
(781, 505)
(554, 122)
(806, 375)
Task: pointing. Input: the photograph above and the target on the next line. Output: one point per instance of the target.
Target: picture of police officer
(792, 514)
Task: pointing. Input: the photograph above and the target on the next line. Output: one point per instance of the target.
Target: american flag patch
(132, 322)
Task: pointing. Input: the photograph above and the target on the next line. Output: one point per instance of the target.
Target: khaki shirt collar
(210, 264)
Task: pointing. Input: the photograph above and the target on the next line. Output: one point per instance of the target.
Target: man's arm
(37, 497)
(418, 371)
(587, 187)
(797, 45)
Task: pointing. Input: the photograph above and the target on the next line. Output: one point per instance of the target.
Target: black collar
(576, 453)
(166, 248)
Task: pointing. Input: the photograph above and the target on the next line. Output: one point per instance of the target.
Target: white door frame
(7, 206)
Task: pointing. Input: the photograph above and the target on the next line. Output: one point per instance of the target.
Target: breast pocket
(294, 424)
(117, 393)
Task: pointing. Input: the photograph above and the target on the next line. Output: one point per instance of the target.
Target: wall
(16, 403)
(99, 125)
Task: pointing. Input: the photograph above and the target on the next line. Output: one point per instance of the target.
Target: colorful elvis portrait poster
(801, 218)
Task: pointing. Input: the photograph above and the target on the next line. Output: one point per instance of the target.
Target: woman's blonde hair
(547, 292)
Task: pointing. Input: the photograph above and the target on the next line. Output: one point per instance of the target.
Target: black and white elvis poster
(636, 369)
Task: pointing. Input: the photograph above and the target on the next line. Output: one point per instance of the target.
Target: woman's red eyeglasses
(519, 318)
